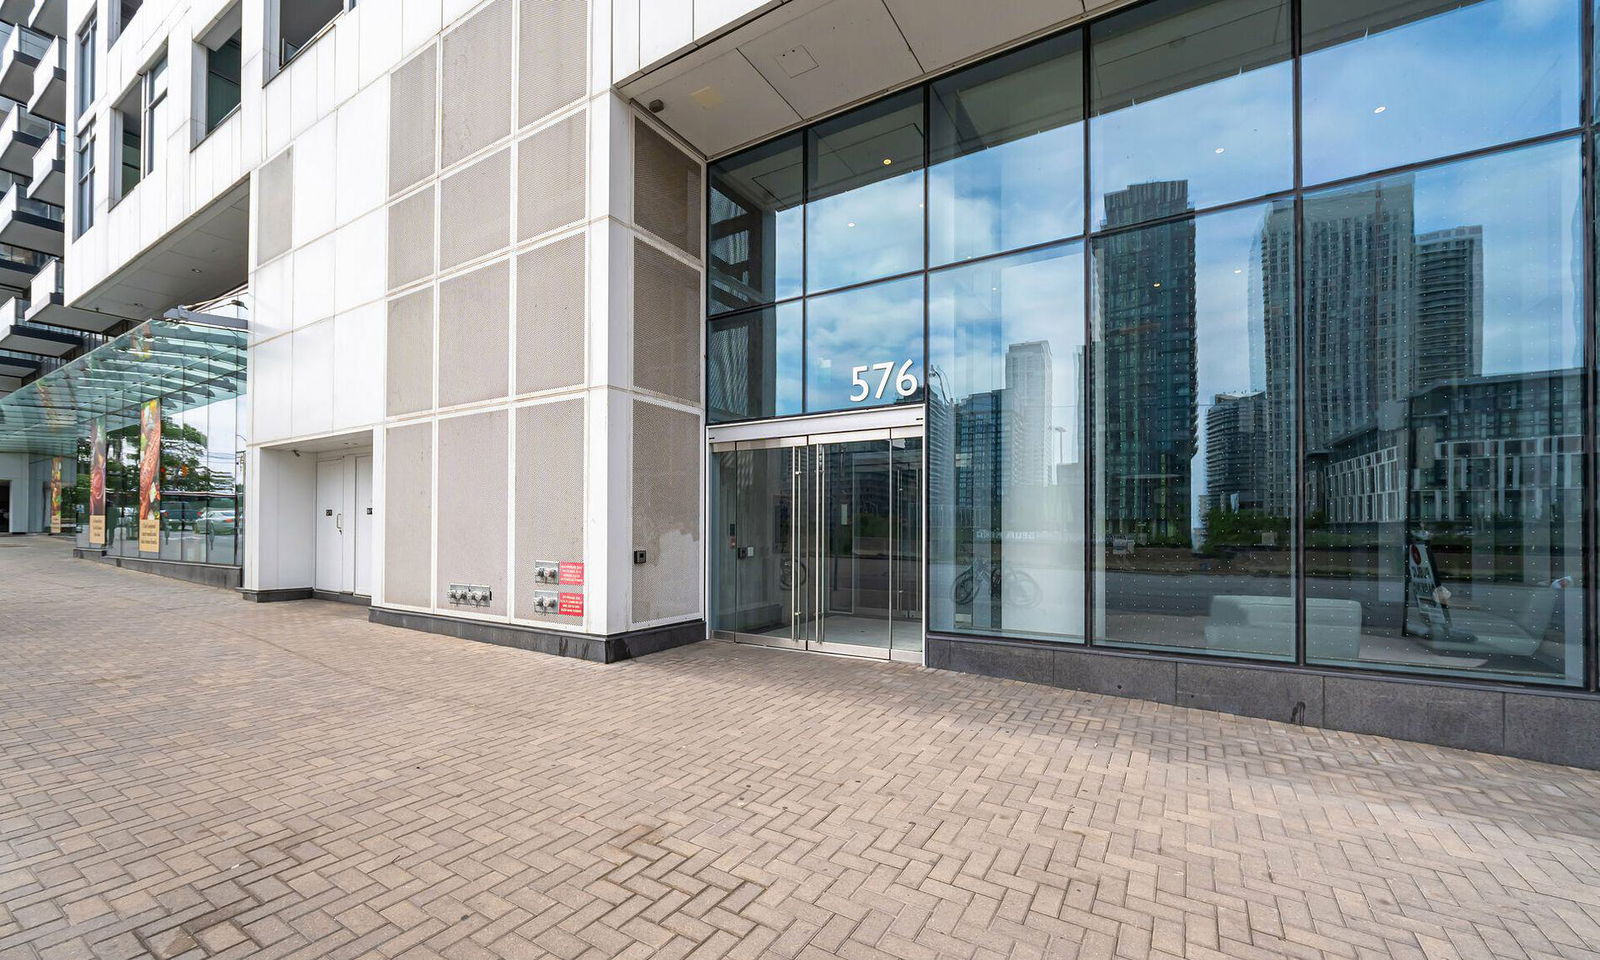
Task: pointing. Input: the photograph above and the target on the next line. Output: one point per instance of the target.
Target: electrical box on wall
(470, 594)
(566, 602)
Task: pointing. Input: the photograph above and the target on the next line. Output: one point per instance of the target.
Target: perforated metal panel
(413, 119)
(474, 334)
(275, 211)
(551, 182)
(550, 505)
(410, 361)
(666, 512)
(477, 82)
(666, 189)
(408, 514)
(555, 55)
(411, 239)
(666, 324)
(551, 292)
(475, 211)
(473, 510)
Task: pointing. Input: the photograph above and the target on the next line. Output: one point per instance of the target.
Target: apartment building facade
(1231, 353)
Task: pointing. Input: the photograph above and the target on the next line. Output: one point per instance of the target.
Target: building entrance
(817, 542)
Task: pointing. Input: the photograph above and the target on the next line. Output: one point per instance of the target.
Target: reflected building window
(755, 234)
(754, 366)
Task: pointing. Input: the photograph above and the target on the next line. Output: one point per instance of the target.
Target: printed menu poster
(150, 477)
(55, 494)
(97, 484)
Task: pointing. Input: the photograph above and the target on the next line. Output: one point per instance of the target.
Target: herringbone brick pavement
(188, 775)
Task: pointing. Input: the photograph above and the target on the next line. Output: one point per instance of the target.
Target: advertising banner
(55, 494)
(97, 483)
(150, 477)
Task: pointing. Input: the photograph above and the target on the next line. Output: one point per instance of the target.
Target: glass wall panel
(753, 364)
(756, 227)
(1005, 464)
(1006, 152)
(864, 347)
(864, 216)
(1194, 443)
(1194, 94)
(1444, 346)
(1386, 84)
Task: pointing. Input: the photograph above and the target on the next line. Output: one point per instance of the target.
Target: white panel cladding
(362, 125)
(665, 26)
(411, 230)
(313, 281)
(552, 176)
(408, 515)
(315, 205)
(311, 404)
(271, 389)
(553, 62)
(409, 367)
(478, 60)
(275, 207)
(474, 325)
(413, 120)
(473, 508)
(475, 210)
(360, 258)
(550, 456)
(358, 389)
(668, 450)
(551, 288)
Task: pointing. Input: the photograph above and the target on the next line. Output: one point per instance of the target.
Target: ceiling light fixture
(1219, 149)
(1379, 109)
(851, 223)
(887, 161)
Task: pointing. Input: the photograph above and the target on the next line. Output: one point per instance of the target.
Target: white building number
(905, 382)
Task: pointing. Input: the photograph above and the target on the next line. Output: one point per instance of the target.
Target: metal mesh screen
(666, 325)
(666, 512)
(555, 56)
(474, 329)
(475, 211)
(551, 292)
(551, 186)
(411, 239)
(275, 214)
(472, 507)
(477, 88)
(410, 368)
(550, 504)
(666, 189)
(413, 120)
(408, 514)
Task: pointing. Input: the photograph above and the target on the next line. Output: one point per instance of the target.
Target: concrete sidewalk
(183, 774)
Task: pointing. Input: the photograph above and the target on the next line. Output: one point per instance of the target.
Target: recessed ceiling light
(851, 223)
(887, 161)
(1239, 271)
(1379, 109)
(1219, 149)
(1158, 283)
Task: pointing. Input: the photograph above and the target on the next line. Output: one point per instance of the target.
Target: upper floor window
(139, 122)
(83, 190)
(122, 13)
(86, 65)
(222, 81)
(293, 24)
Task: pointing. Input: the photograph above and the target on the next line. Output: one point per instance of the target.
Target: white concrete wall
(648, 32)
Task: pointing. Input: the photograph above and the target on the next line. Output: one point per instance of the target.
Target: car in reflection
(216, 520)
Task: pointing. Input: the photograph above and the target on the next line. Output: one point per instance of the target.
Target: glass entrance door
(818, 543)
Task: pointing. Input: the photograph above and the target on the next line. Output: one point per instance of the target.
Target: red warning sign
(571, 605)
(571, 574)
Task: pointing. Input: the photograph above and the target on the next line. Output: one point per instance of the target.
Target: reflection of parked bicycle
(1017, 588)
(786, 573)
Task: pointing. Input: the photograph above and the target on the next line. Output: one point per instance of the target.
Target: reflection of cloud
(876, 324)
(1008, 196)
(871, 231)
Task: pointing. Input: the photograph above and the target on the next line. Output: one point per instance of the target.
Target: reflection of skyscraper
(1029, 400)
(1236, 447)
(1145, 281)
(1448, 339)
(1272, 332)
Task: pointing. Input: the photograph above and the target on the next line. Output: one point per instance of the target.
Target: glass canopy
(186, 364)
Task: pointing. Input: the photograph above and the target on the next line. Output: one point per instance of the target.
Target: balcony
(21, 136)
(18, 268)
(17, 365)
(21, 54)
(49, 98)
(49, 16)
(30, 224)
(48, 178)
(24, 337)
(15, 11)
(47, 305)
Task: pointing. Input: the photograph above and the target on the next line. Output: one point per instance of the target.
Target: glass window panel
(1197, 94)
(864, 347)
(1194, 401)
(756, 229)
(1443, 330)
(864, 211)
(1385, 84)
(754, 364)
(1006, 145)
(1005, 464)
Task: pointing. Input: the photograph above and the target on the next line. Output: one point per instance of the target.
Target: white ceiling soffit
(807, 58)
(204, 258)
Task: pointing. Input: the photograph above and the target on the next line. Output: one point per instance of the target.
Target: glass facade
(1252, 329)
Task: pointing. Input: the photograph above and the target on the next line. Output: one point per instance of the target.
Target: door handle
(339, 522)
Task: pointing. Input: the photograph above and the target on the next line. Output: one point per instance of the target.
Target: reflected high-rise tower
(1029, 412)
(1447, 343)
(1148, 408)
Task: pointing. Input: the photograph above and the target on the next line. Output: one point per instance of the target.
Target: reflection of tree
(1242, 529)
